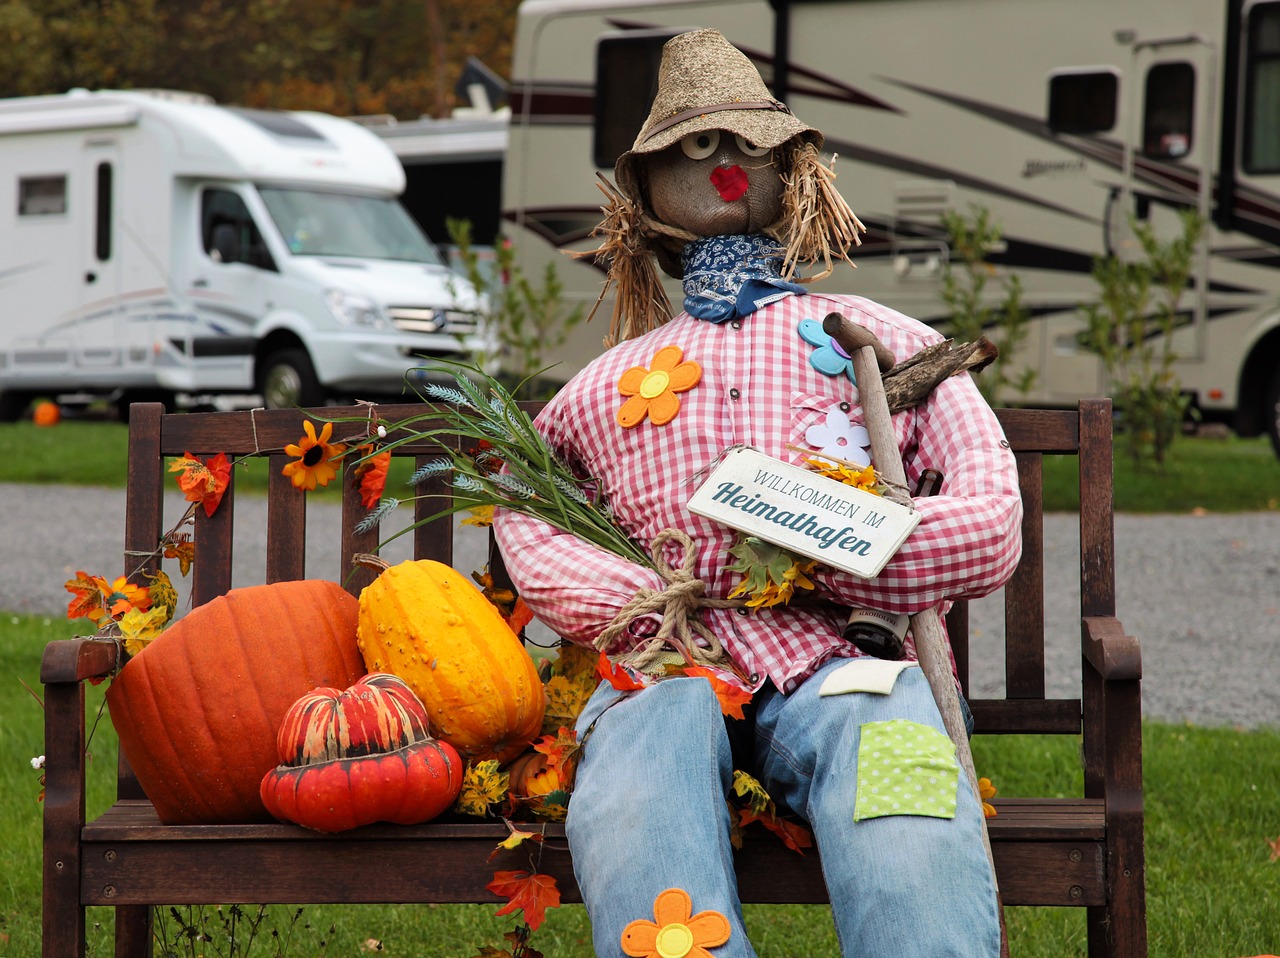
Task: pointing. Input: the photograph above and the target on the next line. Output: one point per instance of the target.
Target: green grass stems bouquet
(496, 458)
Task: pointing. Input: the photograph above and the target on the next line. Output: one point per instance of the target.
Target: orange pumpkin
(46, 413)
(199, 708)
(525, 768)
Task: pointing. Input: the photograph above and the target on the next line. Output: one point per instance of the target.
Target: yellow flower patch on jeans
(905, 768)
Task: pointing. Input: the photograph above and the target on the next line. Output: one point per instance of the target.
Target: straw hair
(641, 303)
(817, 224)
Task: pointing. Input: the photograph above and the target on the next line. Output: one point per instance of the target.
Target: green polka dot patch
(905, 768)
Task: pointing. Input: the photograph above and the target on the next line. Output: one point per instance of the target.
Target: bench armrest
(68, 661)
(1115, 656)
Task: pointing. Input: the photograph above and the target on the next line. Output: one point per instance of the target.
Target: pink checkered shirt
(759, 389)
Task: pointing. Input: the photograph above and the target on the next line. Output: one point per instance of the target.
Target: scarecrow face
(715, 183)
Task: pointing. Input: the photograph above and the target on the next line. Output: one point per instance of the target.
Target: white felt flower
(838, 438)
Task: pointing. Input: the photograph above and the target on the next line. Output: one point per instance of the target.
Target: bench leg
(1119, 929)
(63, 927)
(133, 931)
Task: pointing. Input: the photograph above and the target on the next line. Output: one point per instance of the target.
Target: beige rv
(1061, 119)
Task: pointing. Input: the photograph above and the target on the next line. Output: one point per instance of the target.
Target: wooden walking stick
(870, 358)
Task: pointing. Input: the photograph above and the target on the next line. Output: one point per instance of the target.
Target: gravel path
(1202, 592)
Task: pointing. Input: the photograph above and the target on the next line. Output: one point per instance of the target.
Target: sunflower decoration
(851, 474)
(314, 465)
(986, 792)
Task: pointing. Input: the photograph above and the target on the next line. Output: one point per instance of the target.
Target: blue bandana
(730, 276)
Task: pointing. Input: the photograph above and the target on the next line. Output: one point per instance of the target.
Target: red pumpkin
(360, 756)
(198, 709)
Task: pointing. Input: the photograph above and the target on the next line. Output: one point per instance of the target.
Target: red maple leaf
(731, 698)
(796, 837)
(616, 675)
(88, 592)
(531, 892)
(203, 480)
(373, 478)
(521, 615)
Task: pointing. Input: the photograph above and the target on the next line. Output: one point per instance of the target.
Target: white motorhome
(155, 244)
(1060, 119)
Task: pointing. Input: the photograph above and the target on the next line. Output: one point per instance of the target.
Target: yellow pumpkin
(428, 624)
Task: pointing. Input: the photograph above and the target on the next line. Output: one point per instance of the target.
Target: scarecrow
(726, 190)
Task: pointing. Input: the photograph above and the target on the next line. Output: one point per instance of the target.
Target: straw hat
(705, 83)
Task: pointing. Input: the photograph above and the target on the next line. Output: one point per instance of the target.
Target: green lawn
(1213, 888)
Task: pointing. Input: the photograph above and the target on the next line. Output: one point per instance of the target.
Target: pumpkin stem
(368, 560)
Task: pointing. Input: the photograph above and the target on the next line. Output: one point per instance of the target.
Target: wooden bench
(1079, 852)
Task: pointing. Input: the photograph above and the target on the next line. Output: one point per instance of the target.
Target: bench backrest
(155, 436)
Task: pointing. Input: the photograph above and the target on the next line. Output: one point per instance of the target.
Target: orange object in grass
(47, 413)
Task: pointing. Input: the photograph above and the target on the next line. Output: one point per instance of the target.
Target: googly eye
(699, 146)
(749, 148)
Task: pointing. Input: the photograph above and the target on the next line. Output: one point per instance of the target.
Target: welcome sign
(824, 519)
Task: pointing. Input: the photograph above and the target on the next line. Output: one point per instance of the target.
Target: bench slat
(1043, 848)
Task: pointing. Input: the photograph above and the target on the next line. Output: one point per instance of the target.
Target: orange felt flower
(653, 391)
(677, 932)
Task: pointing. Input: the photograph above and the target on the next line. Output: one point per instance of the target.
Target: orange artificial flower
(653, 391)
(987, 791)
(677, 932)
(94, 597)
(314, 465)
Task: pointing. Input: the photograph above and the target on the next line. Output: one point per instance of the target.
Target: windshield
(315, 223)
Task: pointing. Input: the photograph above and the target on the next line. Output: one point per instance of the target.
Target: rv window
(317, 223)
(102, 231)
(1083, 102)
(228, 231)
(1168, 117)
(42, 195)
(626, 80)
(1262, 90)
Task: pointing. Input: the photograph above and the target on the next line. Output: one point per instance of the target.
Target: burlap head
(705, 83)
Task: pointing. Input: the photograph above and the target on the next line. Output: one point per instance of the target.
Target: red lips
(730, 182)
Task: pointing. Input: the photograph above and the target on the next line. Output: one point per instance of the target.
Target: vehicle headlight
(352, 310)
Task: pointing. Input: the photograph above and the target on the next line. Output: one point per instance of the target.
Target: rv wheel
(287, 379)
(13, 405)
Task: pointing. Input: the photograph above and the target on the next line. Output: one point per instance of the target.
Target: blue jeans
(649, 813)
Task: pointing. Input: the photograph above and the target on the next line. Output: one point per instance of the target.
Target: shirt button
(845, 407)
(736, 324)
(734, 393)
(754, 678)
(743, 610)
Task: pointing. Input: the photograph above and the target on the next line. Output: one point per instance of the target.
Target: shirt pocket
(825, 425)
